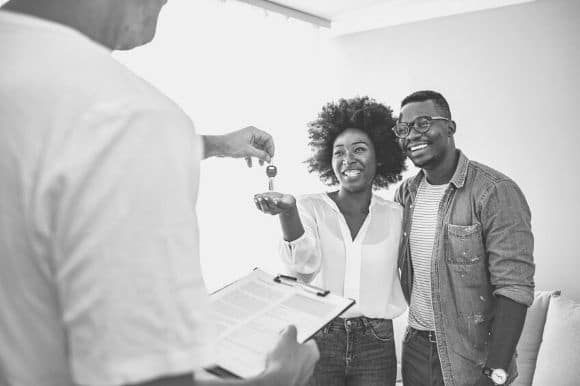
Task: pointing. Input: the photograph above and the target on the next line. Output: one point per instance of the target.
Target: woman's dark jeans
(356, 351)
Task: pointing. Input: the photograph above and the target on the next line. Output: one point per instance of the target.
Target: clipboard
(251, 312)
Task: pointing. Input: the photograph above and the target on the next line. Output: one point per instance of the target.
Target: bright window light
(229, 65)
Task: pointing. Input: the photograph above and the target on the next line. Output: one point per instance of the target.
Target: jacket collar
(457, 180)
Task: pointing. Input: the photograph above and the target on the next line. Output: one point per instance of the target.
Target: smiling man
(467, 256)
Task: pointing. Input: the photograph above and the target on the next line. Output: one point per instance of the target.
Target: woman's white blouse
(364, 269)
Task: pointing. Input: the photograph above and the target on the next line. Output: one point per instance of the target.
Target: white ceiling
(350, 16)
(330, 9)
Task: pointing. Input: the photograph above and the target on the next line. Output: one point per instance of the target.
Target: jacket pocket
(465, 256)
(464, 244)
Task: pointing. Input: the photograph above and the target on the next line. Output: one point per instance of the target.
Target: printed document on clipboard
(251, 312)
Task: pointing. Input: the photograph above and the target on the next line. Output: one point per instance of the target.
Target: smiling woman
(347, 240)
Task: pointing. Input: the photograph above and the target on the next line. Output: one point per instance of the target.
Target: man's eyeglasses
(420, 124)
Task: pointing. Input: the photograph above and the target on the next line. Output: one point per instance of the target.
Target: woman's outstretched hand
(274, 203)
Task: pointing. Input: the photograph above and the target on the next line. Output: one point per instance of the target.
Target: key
(271, 172)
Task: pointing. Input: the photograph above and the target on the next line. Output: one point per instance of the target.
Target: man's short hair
(429, 95)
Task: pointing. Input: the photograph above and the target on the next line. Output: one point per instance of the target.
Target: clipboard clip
(293, 282)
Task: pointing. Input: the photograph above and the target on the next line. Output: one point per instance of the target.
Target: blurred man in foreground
(100, 280)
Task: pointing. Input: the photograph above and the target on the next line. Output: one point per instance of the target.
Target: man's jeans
(356, 351)
(420, 362)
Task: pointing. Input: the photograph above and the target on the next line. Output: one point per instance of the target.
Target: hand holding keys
(271, 172)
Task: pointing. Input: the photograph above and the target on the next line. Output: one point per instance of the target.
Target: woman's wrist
(292, 228)
(292, 210)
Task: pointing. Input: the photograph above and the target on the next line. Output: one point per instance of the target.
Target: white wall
(512, 78)
(229, 65)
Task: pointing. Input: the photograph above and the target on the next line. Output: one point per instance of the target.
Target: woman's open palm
(274, 202)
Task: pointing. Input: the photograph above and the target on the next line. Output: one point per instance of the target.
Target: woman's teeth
(351, 173)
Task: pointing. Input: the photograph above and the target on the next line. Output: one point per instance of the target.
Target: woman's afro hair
(365, 114)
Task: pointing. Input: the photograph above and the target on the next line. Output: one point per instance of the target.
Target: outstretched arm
(300, 250)
(284, 205)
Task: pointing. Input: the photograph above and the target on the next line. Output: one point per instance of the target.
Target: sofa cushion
(531, 337)
(558, 360)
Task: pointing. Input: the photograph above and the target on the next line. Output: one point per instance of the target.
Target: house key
(271, 172)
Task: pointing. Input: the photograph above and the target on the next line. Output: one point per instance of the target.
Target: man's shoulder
(75, 71)
(110, 80)
(482, 181)
(484, 174)
(407, 182)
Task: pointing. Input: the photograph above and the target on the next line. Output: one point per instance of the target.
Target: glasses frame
(413, 125)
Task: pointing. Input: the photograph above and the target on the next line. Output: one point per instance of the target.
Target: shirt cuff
(518, 293)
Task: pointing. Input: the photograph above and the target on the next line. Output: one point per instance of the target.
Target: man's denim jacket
(483, 247)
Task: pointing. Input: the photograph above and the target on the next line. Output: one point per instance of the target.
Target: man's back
(87, 246)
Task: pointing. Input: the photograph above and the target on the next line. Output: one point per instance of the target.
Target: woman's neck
(353, 202)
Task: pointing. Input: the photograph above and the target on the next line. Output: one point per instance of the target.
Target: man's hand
(291, 363)
(250, 142)
(247, 143)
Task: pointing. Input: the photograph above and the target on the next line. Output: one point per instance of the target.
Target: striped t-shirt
(422, 237)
